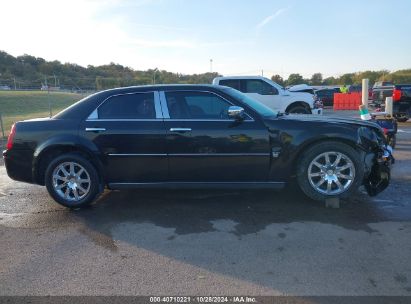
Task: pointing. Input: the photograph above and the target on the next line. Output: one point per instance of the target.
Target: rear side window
(128, 106)
(232, 83)
(259, 87)
(196, 105)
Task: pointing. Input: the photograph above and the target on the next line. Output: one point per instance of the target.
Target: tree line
(398, 77)
(29, 72)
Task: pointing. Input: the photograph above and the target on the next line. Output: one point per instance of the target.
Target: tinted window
(320, 93)
(129, 106)
(259, 87)
(232, 83)
(196, 105)
(257, 106)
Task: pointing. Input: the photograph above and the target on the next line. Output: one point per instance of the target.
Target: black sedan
(192, 136)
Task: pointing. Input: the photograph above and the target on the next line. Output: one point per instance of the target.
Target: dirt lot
(208, 242)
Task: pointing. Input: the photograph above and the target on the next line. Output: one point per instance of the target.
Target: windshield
(257, 106)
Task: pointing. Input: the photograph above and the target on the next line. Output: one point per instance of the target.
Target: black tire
(298, 110)
(316, 150)
(91, 174)
(402, 119)
(392, 140)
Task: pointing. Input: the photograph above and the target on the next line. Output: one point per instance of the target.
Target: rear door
(129, 132)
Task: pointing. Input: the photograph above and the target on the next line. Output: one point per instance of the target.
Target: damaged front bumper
(379, 167)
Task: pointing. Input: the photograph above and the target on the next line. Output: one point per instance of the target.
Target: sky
(241, 37)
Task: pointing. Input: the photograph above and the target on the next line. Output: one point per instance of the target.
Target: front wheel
(402, 117)
(330, 169)
(298, 110)
(72, 180)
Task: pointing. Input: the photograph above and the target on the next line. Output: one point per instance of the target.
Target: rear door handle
(180, 130)
(95, 129)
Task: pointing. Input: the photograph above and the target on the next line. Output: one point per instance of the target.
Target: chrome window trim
(219, 154)
(126, 119)
(136, 154)
(165, 107)
(189, 154)
(226, 120)
(157, 106)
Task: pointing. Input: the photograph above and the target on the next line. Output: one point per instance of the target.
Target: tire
(349, 157)
(63, 188)
(392, 140)
(402, 118)
(298, 110)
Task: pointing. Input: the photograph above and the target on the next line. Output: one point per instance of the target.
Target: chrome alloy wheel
(71, 181)
(331, 173)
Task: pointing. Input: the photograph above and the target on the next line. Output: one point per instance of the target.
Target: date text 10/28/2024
(203, 299)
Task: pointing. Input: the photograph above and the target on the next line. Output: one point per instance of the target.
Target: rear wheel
(72, 180)
(330, 169)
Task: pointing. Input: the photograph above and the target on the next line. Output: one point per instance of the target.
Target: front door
(129, 133)
(205, 145)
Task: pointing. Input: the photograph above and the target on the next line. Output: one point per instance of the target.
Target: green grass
(21, 105)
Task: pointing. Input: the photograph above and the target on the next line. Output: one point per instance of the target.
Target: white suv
(272, 94)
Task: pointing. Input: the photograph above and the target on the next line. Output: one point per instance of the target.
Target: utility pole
(55, 80)
(15, 87)
(48, 93)
(211, 65)
(262, 73)
(154, 75)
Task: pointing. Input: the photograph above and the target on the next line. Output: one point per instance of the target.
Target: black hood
(330, 119)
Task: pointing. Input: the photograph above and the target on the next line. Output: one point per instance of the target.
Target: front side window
(259, 87)
(128, 106)
(196, 105)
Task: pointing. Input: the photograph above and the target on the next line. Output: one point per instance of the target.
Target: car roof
(162, 87)
(239, 77)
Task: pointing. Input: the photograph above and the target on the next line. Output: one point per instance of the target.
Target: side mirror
(236, 112)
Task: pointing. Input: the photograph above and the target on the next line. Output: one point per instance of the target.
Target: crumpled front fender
(380, 175)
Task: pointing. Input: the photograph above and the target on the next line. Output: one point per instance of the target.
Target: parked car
(401, 95)
(382, 84)
(272, 94)
(326, 96)
(185, 136)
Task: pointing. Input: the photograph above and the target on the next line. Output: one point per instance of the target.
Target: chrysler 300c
(192, 136)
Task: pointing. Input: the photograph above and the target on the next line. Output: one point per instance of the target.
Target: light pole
(154, 75)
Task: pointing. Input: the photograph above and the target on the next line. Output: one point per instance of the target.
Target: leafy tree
(316, 79)
(346, 79)
(294, 79)
(373, 76)
(330, 81)
(278, 79)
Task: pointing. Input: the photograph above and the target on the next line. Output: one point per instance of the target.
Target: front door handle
(95, 129)
(180, 130)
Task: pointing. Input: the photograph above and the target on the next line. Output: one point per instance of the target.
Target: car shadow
(193, 211)
(246, 235)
